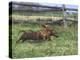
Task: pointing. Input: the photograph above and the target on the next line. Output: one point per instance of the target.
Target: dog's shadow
(35, 41)
(32, 41)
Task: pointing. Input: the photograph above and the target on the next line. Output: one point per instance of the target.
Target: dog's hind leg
(23, 40)
(18, 40)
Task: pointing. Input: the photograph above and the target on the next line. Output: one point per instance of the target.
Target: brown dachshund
(43, 34)
(33, 35)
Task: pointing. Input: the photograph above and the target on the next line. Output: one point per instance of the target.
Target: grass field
(34, 18)
(65, 44)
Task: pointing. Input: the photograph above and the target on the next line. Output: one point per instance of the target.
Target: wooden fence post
(64, 16)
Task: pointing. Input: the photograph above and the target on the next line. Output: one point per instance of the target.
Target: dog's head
(49, 30)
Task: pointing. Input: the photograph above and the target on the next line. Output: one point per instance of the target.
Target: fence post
(64, 16)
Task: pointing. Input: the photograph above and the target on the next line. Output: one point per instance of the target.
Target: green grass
(65, 44)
